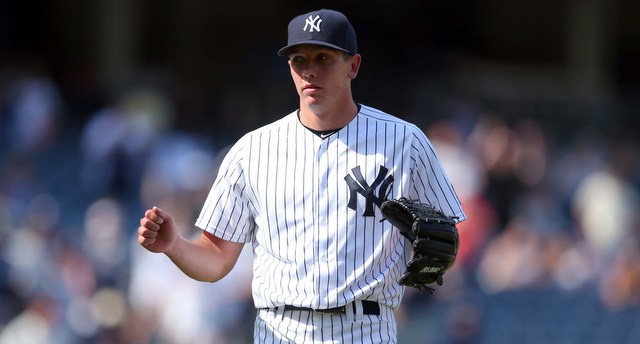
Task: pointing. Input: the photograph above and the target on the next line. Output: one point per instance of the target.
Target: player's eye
(323, 57)
(297, 60)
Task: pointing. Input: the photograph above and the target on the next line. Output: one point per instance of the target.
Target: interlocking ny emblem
(312, 23)
(360, 186)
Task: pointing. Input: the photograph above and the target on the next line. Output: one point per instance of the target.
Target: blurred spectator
(116, 139)
(28, 247)
(620, 284)
(179, 165)
(606, 207)
(31, 326)
(104, 241)
(35, 110)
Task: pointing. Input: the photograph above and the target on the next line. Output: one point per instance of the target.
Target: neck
(328, 119)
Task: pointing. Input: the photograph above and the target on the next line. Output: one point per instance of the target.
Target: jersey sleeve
(226, 211)
(431, 183)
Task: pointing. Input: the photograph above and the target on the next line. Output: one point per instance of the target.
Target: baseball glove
(433, 236)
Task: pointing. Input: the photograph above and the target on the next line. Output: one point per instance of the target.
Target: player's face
(322, 75)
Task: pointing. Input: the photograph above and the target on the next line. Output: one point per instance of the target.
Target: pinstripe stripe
(285, 190)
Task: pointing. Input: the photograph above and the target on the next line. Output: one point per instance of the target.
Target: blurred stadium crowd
(550, 252)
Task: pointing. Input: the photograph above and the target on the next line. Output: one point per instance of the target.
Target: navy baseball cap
(324, 27)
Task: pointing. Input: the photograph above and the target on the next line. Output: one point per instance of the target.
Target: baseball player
(304, 192)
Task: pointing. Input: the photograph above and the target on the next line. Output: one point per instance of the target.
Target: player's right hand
(157, 231)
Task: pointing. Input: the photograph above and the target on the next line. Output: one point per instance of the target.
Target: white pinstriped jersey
(310, 207)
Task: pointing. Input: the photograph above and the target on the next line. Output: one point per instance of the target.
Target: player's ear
(355, 65)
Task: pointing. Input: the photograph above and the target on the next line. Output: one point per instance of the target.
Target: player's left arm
(431, 181)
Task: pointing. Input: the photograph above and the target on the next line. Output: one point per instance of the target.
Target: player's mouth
(310, 87)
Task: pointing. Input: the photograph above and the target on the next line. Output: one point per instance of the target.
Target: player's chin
(312, 100)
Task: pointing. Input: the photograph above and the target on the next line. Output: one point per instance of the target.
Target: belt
(368, 308)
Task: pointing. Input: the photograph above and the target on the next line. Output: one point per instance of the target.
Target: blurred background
(109, 107)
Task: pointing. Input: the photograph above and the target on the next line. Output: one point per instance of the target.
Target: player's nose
(308, 74)
(308, 71)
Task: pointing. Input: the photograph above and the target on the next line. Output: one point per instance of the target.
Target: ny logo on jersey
(360, 186)
(312, 23)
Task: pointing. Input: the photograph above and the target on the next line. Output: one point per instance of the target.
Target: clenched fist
(157, 231)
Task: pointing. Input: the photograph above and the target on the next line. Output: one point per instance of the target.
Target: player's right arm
(207, 258)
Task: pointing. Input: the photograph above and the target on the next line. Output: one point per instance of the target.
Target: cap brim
(285, 50)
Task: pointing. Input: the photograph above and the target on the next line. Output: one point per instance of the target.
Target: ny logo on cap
(313, 23)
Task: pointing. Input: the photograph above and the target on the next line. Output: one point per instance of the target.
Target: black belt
(368, 308)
